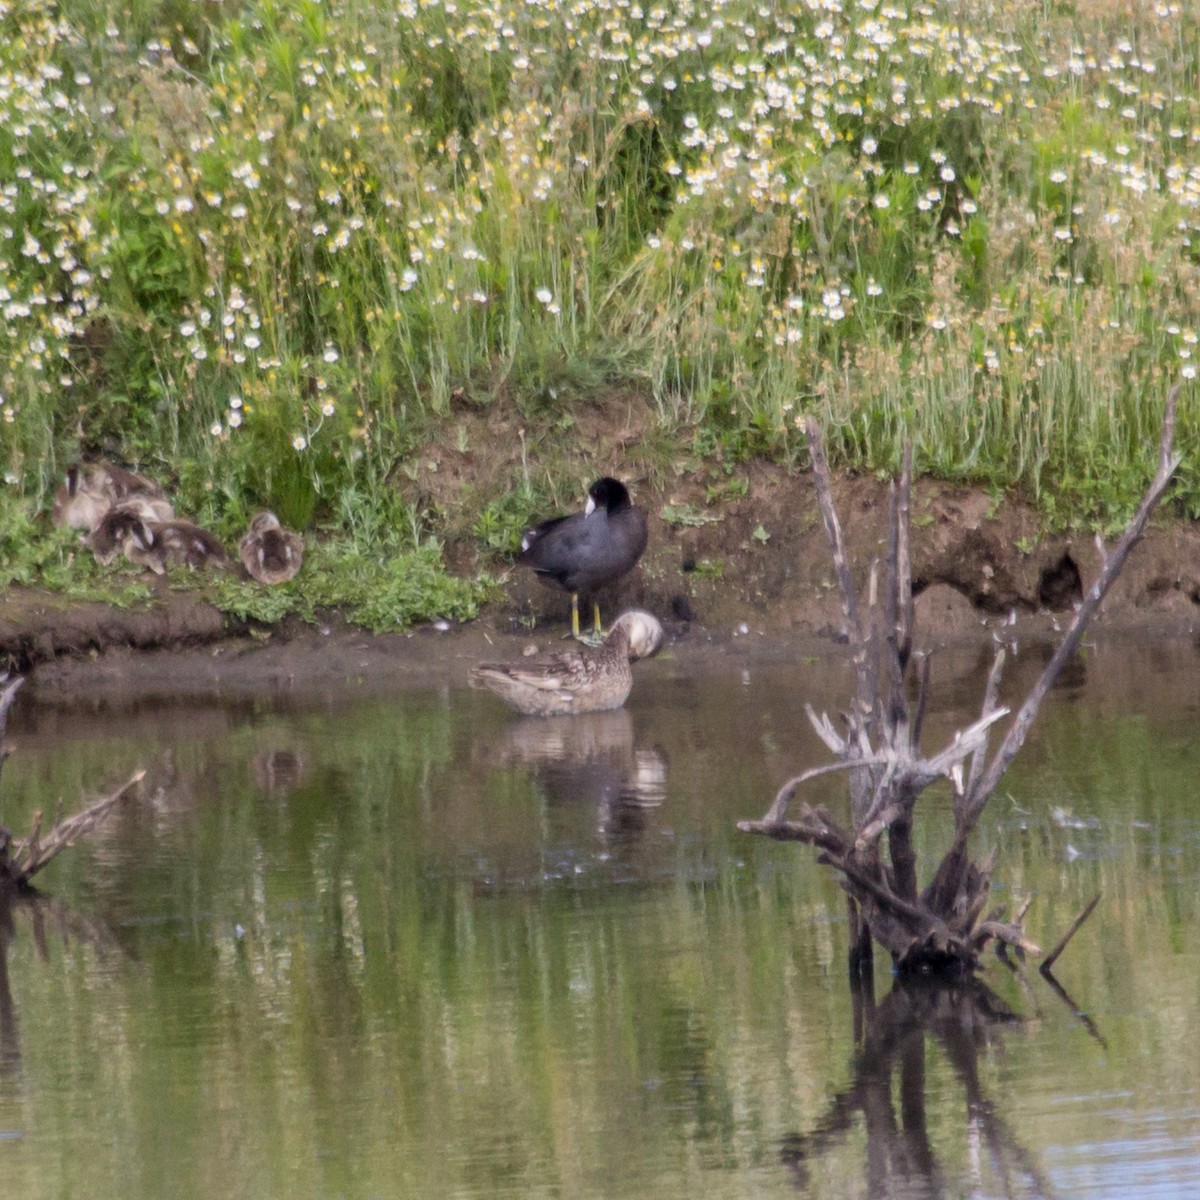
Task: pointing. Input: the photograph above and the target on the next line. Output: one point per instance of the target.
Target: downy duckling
(183, 543)
(579, 680)
(270, 553)
(117, 527)
(88, 492)
(155, 544)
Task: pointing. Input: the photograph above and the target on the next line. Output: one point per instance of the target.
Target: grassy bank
(265, 250)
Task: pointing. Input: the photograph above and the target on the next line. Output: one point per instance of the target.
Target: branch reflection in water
(962, 1019)
(44, 913)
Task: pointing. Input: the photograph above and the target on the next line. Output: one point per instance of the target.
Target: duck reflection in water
(962, 1019)
(278, 771)
(591, 760)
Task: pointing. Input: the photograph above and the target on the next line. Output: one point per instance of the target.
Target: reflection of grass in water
(713, 995)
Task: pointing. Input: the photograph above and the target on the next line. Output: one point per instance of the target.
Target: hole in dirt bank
(1060, 586)
(681, 608)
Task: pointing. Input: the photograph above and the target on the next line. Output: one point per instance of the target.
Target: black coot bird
(583, 552)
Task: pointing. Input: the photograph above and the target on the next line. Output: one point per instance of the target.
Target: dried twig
(1063, 653)
(1051, 958)
(31, 855)
(8, 693)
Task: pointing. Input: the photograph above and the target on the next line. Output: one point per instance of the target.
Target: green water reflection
(416, 947)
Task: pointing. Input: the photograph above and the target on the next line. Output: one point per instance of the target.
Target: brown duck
(154, 544)
(580, 680)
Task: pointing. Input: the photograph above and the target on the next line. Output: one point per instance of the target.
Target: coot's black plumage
(587, 550)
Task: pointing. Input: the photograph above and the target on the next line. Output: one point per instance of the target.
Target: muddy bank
(753, 569)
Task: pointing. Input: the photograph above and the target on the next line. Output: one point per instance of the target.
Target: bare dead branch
(1009, 934)
(943, 928)
(965, 742)
(865, 664)
(8, 693)
(922, 700)
(991, 694)
(904, 634)
(779, 805)
(1051, 958)
(31, 855)
(833, 531)
(1019, 730)
(825, 730)
(870, 703)
(808, 829)
(893, 698)
(883, 896)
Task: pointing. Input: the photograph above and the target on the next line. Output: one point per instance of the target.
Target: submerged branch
(1051, 958)
(28, 857)
(941, 929)
(833, 531)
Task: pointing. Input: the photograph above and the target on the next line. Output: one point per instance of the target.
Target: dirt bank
(752, 566)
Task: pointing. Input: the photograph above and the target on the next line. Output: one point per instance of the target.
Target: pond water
(415, 946)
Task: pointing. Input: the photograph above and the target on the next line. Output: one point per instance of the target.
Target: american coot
(582, 680)
(587, 550)
(270, 553)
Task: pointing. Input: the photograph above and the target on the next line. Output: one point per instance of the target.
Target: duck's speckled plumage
(580, 680)
(154, 544)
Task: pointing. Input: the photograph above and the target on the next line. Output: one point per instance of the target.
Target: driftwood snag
(942, 927)
(22, 858)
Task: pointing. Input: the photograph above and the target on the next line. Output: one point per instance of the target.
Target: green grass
(264, 249)
(381, 593)
(377, 578)
(32, 554)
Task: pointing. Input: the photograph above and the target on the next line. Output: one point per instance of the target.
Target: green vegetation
(33, 555)
(683, 515)
(397, 591)
(268, 249)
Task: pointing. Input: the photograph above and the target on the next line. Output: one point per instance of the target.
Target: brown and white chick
(270, 553)
(88, 492)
